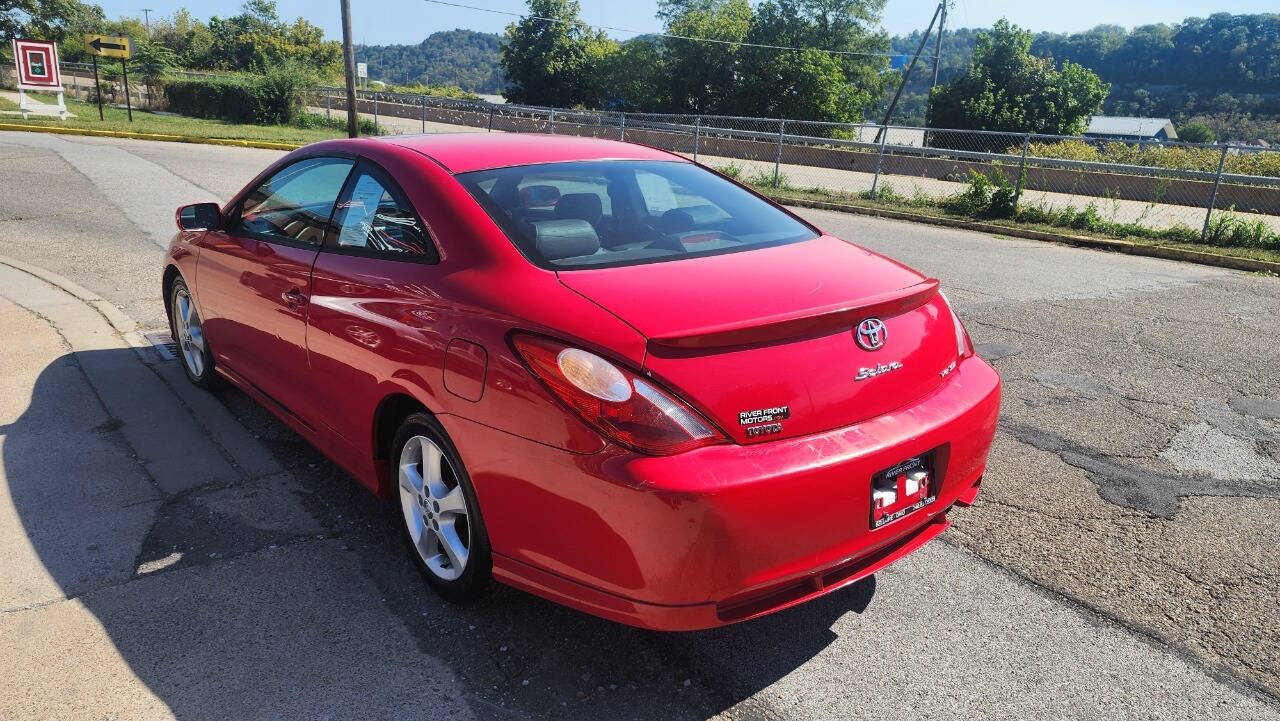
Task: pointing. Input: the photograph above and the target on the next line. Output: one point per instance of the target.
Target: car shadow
(294, 597)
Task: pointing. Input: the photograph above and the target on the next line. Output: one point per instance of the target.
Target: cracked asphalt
(1122, 560)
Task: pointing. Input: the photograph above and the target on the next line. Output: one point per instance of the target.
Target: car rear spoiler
(801, 323)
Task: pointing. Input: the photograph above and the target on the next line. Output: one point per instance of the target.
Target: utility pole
(884, 125)
(146, 14)
(349, 62)
(937, 49)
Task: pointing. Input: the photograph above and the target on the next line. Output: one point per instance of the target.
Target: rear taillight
(625, 407)
(964, 344)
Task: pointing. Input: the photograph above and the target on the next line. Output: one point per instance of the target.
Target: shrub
(731, 170)
(337, 122)
(268, 99)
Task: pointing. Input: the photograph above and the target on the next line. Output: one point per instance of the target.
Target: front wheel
(188, 333)
(439, 513)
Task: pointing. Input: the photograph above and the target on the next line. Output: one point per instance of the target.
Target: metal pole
(1213, 199)
(424, 113)
(697, 133)
(777, 157)
(884, 136)
(622, 126)
(349, 66)
(97, 85)
(907, 75)
(375, 113)
(491, 120)
(328, 104)
(1022, 169)
(551, 121)
(937, 48)
(128, 104)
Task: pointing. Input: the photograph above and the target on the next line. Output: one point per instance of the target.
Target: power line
(667, 35)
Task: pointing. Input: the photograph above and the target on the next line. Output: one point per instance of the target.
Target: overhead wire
(667, 35)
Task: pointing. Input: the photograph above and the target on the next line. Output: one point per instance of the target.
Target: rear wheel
(188, 333)
(438, 510)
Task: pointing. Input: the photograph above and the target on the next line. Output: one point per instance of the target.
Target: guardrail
(910, 164)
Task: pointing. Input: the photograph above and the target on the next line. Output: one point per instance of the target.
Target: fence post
(697, 135)
(375, 113)
(1213, 199)
(875, 181)
(777, 157)
(491, 120)
(551, 121)
(622, 126)
(424, 113)
(328, 96)
(1022, 169)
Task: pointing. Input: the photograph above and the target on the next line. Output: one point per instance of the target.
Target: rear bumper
(724, 533)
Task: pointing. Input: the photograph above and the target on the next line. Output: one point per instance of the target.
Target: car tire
(439, 516)
(188, 334)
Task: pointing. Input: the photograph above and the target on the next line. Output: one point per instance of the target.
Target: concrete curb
(125, 326)
(58, 130)
(1117, 246)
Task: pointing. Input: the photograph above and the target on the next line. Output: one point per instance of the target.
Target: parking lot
(171, 553)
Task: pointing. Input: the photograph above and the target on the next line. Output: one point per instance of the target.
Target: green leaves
(1009, 89)
(547, 56)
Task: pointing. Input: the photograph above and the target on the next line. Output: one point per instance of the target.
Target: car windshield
(617, 212)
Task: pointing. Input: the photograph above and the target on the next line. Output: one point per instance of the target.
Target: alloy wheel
(435, 508)
(190, 333)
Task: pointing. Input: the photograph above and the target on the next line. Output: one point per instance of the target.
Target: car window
(296, 202)
(372, 218)
(615, 212)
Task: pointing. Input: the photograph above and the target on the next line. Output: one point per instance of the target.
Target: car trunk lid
(764, 342)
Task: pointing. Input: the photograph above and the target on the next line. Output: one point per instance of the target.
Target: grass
(1049, 221)
(147, 122)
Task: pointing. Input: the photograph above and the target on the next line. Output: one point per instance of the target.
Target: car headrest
(586, 206)
(565, 238)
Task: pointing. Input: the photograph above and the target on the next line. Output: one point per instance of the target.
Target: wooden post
(97, 86)
(128, 104)
(349, 63)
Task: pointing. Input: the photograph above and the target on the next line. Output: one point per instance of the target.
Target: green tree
(45, 19)
(1196, 132)
(152, 61)
(813, 83)
(257, 40)
(547, 55)
(702, 76)
(1007, 88)
(633, 76)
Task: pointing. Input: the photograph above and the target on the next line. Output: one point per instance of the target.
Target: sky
(380, 22)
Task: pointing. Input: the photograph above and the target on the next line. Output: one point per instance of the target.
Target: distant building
(1107, 127)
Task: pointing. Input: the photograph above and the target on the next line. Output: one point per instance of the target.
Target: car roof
(465, 152)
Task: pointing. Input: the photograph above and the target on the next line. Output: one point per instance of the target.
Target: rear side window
(295, 204)
(373, 218)
(618, 212)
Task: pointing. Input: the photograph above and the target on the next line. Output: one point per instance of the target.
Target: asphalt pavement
(1121, 562)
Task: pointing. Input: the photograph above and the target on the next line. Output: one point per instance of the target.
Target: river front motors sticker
(764, 421)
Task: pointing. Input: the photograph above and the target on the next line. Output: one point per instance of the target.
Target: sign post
(37, 63)
(97, 86)
(111, 46)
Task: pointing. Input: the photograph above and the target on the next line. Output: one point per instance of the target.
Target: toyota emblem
(871, 334)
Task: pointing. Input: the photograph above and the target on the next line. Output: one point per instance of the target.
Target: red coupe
(592, 370)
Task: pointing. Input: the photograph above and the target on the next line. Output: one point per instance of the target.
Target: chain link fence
(1219, 194)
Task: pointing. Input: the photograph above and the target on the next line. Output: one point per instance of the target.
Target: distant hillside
(464, 58)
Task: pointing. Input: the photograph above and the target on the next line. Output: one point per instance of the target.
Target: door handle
(293, 297)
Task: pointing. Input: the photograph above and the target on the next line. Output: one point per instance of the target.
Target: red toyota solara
(591, 370)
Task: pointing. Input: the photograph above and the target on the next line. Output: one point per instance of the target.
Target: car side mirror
(199, 216)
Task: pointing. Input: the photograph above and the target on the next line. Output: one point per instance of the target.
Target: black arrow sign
(98, 45)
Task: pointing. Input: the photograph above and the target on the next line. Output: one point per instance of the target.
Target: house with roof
(1109, 127)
